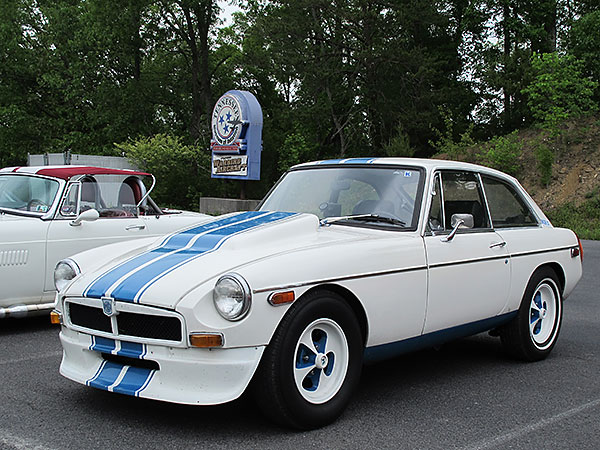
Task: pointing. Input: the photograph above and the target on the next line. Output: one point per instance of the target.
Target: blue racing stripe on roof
(134, 381)
(348, 161)
(358, 161)
(331, 161)
(173, 242)
(131, 288)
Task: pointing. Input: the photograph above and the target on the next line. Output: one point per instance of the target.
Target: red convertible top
(67, 172)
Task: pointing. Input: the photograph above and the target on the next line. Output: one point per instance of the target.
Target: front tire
(531, 336)
(312, 365)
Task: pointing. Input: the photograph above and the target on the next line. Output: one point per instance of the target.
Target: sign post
(236, 143)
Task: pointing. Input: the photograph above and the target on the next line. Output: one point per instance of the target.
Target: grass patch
(583, 219)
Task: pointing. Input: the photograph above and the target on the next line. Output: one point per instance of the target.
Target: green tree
(558, 89)
(21, 108)
(585, 45)
(182, 171)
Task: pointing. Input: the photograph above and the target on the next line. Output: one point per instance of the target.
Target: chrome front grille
(131, 320)
(152, 327)
(88, 317)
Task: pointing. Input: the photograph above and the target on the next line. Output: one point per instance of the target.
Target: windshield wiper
(364, 218)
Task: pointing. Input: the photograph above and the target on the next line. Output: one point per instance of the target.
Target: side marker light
(206, 340)
(55, 318)
(282, 298)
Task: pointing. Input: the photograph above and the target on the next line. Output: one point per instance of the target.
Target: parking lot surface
(465, 395)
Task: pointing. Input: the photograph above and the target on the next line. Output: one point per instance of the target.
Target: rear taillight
(577, 251)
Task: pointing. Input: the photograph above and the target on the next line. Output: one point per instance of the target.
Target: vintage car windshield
(343, 191)
(27, 193)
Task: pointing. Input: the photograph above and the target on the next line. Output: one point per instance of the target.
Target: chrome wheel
(321, 361)
(543, 312)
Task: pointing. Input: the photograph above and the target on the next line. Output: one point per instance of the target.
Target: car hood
(162, 273)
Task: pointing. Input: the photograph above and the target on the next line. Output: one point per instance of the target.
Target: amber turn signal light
(282, 298)
(55, 318)
(206, 340)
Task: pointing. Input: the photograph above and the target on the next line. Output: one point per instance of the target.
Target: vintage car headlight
(65, 271)
(232, 296)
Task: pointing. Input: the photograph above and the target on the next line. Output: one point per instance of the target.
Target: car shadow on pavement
(471, 356)
(25, 325)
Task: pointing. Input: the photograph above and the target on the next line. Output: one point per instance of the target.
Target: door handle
(498, 244)
(135, 227)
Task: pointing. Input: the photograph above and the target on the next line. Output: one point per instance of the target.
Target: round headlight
(64, 272)
(232, 296)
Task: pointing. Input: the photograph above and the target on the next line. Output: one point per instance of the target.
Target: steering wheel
(37, 205)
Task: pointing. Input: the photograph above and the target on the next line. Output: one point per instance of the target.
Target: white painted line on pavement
(30, 358)
(19, 443)
(518, 432)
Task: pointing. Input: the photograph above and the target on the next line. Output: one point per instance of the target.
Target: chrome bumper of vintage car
(178, 375)
(26, 310)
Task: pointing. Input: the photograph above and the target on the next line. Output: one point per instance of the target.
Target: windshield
(110, 195)
(27, 193)
(391, 192)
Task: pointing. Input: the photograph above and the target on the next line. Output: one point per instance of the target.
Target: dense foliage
(335, 79)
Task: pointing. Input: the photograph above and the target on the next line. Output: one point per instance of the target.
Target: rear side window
(507, 208)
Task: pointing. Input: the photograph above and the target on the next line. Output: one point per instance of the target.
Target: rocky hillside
(576, 168)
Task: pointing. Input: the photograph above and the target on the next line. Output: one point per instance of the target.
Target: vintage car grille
(154, 327)
(88, 317)
(128, 323)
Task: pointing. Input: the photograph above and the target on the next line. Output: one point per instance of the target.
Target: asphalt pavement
(465, 395)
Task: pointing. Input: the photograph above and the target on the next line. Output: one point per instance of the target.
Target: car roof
(67, 172)
(428, 164)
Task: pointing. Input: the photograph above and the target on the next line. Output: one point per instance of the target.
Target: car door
(469, 272)
(65, 239)
(22, 263)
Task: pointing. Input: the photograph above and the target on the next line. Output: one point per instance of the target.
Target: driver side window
(463, 195)
(457, 192)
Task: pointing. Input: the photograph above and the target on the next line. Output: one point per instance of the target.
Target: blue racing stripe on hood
(138, 282)
(173, 242)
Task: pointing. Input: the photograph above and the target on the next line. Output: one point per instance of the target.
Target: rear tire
(312, 365)
(531, 335)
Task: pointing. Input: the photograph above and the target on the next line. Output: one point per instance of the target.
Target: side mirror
(457, 221)
(89, 216)
(467, 219)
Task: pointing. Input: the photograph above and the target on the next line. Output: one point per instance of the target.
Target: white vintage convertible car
(345, 261)
(50, 212)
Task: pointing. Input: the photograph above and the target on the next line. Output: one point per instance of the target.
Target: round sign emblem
(227, 120)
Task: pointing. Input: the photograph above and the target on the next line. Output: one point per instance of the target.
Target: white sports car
(48, 213)
(345, 261)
